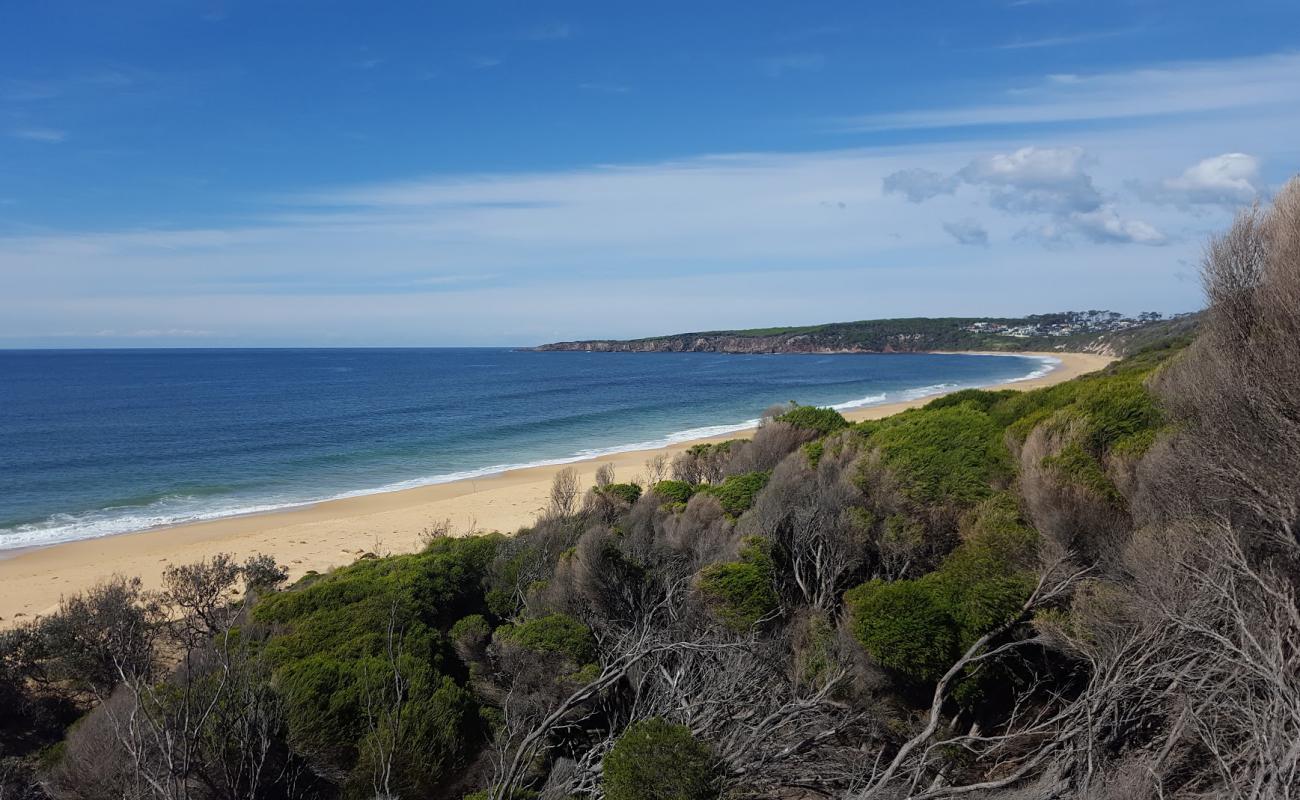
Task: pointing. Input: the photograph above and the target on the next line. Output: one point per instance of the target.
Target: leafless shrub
(704, 463)
(434, 531)
(564, 492)
(657, 468)
(701, 533)
(813, 516)
(770, 444)
(605, 474)
(1064, 509)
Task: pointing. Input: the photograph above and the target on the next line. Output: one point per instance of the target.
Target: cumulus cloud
(919, 185)
(1033, 180)
(1228, 179)
(1103, 226)
(967, 231)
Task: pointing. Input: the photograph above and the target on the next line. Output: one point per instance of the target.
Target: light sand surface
(330, 534)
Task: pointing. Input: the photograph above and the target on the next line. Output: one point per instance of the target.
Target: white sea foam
(182, 509)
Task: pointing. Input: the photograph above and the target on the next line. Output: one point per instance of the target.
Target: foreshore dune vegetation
(1083, 591)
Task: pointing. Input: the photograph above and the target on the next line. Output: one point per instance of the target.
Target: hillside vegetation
(1086, 591)
(1073, 331)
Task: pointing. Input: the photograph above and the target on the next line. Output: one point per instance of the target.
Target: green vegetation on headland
(1070, 331)
(1084, 591)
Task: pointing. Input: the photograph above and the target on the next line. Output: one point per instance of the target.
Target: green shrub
(553, 633)
(904, 626)
(674, 491)
(657, 760)
(919, 626)
(742, 592)
(823, 421)
(627, 492)
(813, 451)
(976, 398)
(948, 455)
(330, 646)
(985, 581)
(736, 493)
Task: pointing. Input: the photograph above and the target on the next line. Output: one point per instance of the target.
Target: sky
(198, 173)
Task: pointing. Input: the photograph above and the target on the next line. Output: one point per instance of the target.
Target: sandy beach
(330, 534)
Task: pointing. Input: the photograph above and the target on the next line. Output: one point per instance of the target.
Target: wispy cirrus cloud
(42, 135)
(1178, 88)
(1066, 40)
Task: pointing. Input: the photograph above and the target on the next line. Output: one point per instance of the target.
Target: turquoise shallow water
(100, 442)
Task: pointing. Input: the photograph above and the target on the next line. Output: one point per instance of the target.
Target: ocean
(97, 442)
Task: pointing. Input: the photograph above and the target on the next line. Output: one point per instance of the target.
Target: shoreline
(330, 533)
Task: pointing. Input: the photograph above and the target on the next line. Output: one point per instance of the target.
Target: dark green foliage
(918, 627)
(627, 492)
(948, 455)
(657, 760)
(904, 626)
(425, 735)
(736, 493)
(742, 592)
(986, 580)
(554, 633)
(824, 421)
(674, 491)
(977, 398)
(339, 637)
(814, 451)
(475, 626)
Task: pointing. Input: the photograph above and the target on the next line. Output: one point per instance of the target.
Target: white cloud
(1176, 88)
(1034, 180)
(633, 249)
(918, 184)
(1102, 226)
(1229, 179)
(967, 232)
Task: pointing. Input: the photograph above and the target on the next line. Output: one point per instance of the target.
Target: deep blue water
(98, 442)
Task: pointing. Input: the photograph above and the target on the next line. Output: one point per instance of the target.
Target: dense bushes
(439, 670)
(950, 455)
(918, 627)
(736, 493)
(742, 591)
(553, 633)
(822, 421)
(657, 760)
(339, 640)
(674, 491)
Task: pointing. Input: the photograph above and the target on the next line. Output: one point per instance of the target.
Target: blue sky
(326, 173)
